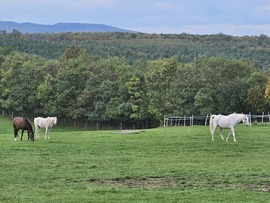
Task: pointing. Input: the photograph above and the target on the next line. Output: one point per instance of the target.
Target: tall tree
(158, 80)
(19, 81)
(204, 100)
(138, 98)
(71, 77)
(257, 103)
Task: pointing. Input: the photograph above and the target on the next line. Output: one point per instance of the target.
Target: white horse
(229, 121)
(44, 123)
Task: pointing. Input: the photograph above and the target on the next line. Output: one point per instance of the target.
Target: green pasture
(176, 164)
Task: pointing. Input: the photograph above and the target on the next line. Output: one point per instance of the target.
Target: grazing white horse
(229, 121)
(44, 123)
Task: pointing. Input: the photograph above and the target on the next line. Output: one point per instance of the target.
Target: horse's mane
(28, 123)
(240, 116)
(53, 120)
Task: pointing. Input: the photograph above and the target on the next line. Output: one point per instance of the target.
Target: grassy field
(177, 164)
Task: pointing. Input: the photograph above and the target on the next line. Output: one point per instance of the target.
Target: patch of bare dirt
(149, 182)
(181, 182)
(263, 188)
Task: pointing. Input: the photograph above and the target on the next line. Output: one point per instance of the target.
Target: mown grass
(178, 164)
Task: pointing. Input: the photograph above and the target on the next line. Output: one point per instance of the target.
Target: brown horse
(22, 123)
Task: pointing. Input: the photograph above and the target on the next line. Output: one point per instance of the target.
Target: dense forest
(132, 79)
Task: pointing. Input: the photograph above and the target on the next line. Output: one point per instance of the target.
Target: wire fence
(204, 120)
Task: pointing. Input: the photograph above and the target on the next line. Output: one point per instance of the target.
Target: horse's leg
(220, 133)
(28, 134)
(37, 132)
(39, 129)
(49, 131)
(46, 131)
(233, 133)
(15, 134)
(213, 132)
(228, 136)
(22, 135)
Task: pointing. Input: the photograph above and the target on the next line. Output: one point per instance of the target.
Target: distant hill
(58, 28)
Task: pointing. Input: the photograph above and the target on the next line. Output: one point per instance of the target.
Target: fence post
(205, 122)
(164, 122)
(249, 117)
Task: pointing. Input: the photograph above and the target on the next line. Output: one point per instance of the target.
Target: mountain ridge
(31, 28)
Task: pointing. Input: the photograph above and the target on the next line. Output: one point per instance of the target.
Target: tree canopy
(132, 79)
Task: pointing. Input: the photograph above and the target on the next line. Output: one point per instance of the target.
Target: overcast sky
(233, 17)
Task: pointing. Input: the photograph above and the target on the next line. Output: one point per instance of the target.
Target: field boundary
(192, 120)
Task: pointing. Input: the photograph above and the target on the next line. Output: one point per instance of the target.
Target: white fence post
(205, 122)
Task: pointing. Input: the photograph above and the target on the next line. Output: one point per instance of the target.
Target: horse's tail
(36, 121)
(211, 124)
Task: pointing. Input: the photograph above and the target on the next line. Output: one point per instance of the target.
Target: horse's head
(245, 119)
(31, 136)
(54, 120)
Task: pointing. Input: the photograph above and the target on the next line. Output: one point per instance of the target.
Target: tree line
(90, 89)
(137, 47)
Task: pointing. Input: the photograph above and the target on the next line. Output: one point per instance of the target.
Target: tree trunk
(121, 125)
(97, 125)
